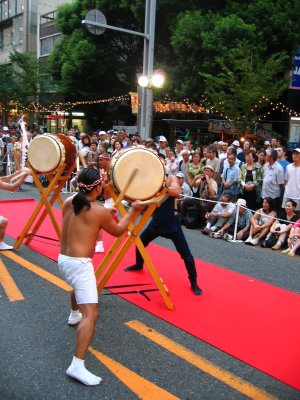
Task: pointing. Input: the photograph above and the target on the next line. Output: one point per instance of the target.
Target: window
(48, 43)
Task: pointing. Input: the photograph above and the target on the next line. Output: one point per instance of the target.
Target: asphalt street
(36, 344)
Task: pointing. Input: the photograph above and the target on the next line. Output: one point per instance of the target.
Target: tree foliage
(243, 82)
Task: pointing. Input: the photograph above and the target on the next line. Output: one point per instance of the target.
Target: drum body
(46, 153)
(149, 179)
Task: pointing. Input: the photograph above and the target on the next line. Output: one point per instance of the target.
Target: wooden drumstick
(15, 178)
(123, 191)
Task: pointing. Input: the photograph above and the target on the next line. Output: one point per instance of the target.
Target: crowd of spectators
(259, 180)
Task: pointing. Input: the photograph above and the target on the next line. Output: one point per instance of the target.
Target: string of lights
(160, 106)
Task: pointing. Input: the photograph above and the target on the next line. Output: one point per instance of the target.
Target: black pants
(152, 232)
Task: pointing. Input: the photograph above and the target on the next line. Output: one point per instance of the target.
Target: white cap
(162, 139)
(297, 149)
(180, 174)
(5, 128)
(236, 143)
(241, 202)
(266, 142)
(102, 133)
(221, 143)
(179, 141)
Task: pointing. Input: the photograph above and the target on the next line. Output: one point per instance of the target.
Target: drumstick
(15, 178)
(123, 191)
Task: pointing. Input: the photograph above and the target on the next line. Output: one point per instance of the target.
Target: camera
(203, 178)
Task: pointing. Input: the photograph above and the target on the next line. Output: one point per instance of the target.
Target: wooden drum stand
(120, 247)
(57, 182)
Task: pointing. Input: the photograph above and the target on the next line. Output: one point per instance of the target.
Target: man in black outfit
(166, 224)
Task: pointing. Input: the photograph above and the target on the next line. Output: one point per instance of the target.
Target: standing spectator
(274, 143)
(273, 178)
(281, 151)
(246, 147)
(183, 164)
(267, 144)
(162, 144)
(178, 149)
(236, 145)
(230, 177)
(92, 157)
(292, 179)
(171, 163)
(223, 150)
(213, 161)
(261, 222)
(117, 146)
(193, 168)
(249, 180)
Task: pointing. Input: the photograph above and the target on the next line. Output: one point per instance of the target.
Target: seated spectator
(261, 222)
(207, 188)
(243, 224)
(281, 227)
(294, 240)
(219, 215)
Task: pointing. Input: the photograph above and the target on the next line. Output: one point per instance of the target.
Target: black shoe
(263, 244)
(133, 268)
(195, 288)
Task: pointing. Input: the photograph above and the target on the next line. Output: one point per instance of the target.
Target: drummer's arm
(173, 186)
(7, 178)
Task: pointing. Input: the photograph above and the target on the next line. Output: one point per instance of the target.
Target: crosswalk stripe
(143, 388)
(11, 289)
(39, 271)
(222, 375)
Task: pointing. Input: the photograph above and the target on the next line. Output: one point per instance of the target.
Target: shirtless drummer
(82, 219)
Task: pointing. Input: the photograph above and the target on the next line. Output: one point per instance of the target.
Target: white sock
(78, 371)
(208, 225)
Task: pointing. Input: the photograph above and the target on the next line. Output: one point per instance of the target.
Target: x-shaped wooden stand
(57, 182)
(120, 247)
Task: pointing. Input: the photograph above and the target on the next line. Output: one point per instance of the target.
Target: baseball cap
(162, 139)
(297, 149)
(236, 143)
(266, 142)
(102, 133)
(5, 128)
(241, 202)
(180, 174)
(221, 143)
(208, 167)
(179, 141)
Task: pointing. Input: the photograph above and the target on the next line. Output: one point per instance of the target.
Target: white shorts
(79, 273)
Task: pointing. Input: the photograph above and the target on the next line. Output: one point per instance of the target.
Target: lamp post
(96, 19)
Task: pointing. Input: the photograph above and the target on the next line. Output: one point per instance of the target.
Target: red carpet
(253, 321)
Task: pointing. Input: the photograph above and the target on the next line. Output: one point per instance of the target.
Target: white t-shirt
(218, 208)
(292, 177)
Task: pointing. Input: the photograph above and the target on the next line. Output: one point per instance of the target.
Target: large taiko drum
(47, 153)
(149, 179)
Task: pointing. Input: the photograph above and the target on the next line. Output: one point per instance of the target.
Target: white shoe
(99, 248)
(74, 319)
(4, 246)
(227, 237)
(254, 242)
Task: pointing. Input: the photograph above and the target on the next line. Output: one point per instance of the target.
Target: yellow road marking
(222, 375)
(143, 388)
(11, 289)
(38, 271)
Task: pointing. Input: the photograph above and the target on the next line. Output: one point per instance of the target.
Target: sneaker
(227, 237)
(99, 248)
(254, 242)
(215, 235)
(205, 231)
(291, 253)
(74, 319)
(248, 241)
(277, 246)
(286, 251)
(4, 246)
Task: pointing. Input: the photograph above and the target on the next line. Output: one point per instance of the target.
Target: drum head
(149, 178)
(44, 154)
